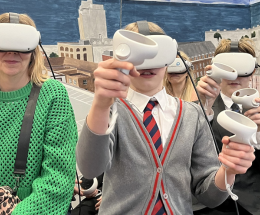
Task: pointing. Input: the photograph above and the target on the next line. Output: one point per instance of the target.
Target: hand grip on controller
(88, 186)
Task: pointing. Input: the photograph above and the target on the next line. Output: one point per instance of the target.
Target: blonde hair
(188, 88)
(244, 45)
(152, 27)
(36, 65)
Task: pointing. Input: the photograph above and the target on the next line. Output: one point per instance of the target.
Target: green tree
(253, 34)
(217, 35)
(246, 36)
(54, 55)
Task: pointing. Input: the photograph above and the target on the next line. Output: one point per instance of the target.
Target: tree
(217, 35)
(253, 34)
(246, 36)
(54, 55)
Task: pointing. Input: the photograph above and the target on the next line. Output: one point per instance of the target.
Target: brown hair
(152, 27)
(244, 45)
(36, 65)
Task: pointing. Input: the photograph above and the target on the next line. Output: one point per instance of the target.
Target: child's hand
(254, 114)
(208, 89)
(97, 206)
(237, 157)
(110, 83)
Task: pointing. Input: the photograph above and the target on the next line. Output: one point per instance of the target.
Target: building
(200, 54)
(74, 72)
(93, 35)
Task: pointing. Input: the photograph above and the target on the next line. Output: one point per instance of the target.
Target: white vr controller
(18, 37)
(144, 52)
(91, 189)
(246, 97)
(243, 63)
(178, 66)
(243, 128)
(220, 71)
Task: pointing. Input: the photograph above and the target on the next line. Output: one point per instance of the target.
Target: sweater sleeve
(204, 167)
(52, 190)
(95, 152)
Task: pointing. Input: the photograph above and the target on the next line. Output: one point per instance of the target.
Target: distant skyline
(235, 2)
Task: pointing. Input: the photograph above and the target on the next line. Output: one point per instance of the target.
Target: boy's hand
(110, 83)
(208, 89)
(237, 157)
(254, 114)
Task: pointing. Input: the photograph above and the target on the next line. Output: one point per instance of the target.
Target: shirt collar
(140, 100)
(228, 101)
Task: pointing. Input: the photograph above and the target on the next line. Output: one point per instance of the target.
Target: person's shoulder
(54, 87)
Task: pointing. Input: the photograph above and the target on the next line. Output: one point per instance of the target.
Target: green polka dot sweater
(50, 174)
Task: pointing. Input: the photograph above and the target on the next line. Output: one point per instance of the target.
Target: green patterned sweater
(50, 174)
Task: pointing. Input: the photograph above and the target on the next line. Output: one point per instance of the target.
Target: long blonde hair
(36, 66)
(188, 88)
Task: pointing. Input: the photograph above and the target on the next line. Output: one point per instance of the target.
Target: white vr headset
(18, 37)
(145, 51)
(243, 63)
(178, 66)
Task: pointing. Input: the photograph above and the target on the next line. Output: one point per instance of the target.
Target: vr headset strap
(143, 27)
(234, 46)
(14, 18)
(25, 134)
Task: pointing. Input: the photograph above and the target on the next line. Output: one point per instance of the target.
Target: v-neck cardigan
(134, 174)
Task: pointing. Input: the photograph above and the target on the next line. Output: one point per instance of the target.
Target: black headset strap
(143, 27)
(234, 46)
(14, 18)
(25, 134)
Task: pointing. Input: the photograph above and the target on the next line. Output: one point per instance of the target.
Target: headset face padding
(18, 37)
(178, 66)
(166, 53)
(244, 63)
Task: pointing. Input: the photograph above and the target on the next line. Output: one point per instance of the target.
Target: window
(61, 48)
(62, 54)
(78, 56)
(78, 50)
(85, 82)
(75, 82)
(70, 81)
(85, 57)
(84, 49)
(66, 49)
(71, 50)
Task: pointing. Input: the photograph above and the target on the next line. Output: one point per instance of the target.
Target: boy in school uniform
(155, 150)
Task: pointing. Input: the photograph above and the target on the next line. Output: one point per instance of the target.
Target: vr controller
(243, 128)
(220, 70)
(246, 97)
(144, 52)
(178, 66)
(18, 37)
(88, 186)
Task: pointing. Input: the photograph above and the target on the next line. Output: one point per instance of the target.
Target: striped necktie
(152, 128)
(235, 108)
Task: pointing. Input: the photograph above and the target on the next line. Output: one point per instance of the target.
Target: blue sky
(237, 2)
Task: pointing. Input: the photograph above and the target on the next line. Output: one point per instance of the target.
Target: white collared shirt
(163, 113)
(228, 102)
